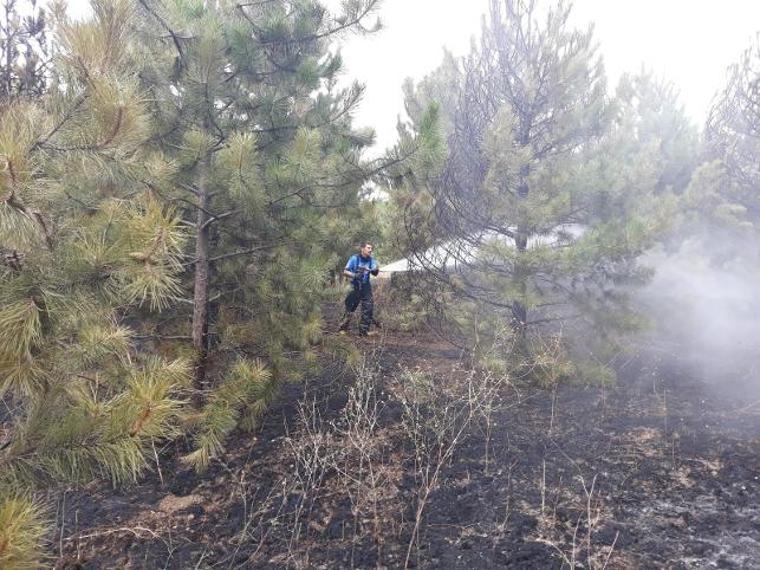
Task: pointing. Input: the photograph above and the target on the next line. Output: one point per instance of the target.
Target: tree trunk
(200, 294)
(519, 310)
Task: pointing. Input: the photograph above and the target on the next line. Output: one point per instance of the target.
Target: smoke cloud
(706, 311)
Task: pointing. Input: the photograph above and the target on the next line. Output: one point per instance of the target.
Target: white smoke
(706, 313)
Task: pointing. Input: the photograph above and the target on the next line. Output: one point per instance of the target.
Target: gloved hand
(360, 271)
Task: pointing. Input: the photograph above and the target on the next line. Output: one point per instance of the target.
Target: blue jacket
(356, 262)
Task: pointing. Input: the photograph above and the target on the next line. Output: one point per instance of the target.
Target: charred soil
(661, 470)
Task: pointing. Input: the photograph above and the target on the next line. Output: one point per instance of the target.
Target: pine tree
(723, 196)
(536, 233)
(439, 88)
(653, 119)
(22, 531)
(24, 50)
(85, 245)
(267, 170)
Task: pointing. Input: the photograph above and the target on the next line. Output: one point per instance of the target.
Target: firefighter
(359, 268)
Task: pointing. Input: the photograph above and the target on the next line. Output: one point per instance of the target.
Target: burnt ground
(659, 471)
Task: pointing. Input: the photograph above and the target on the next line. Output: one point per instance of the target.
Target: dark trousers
(360, 294)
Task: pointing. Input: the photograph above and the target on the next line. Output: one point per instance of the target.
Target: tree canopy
(540, 205)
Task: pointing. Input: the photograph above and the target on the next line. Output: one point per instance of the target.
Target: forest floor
(660, 470)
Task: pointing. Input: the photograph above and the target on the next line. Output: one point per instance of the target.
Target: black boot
(345, 322)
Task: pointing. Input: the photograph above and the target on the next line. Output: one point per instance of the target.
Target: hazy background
(689, 42)
(706, 313)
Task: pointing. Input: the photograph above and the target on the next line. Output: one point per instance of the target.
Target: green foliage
(245, 392)
(653, 126)
(266, 171)
(98, 196)
(26, 48)
(86, 242)
(733, 130)
(714, 200)
(723, 210)
(439, 89)
(22, 532)
(416, 164)
(93, 426)
(549, 193)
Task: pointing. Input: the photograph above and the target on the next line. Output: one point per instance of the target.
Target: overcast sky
(690, 42)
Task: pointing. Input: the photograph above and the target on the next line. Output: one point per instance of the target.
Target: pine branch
(348, 24)
(61, 122)
(15, 202)
(217, 217)
(163, 24)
